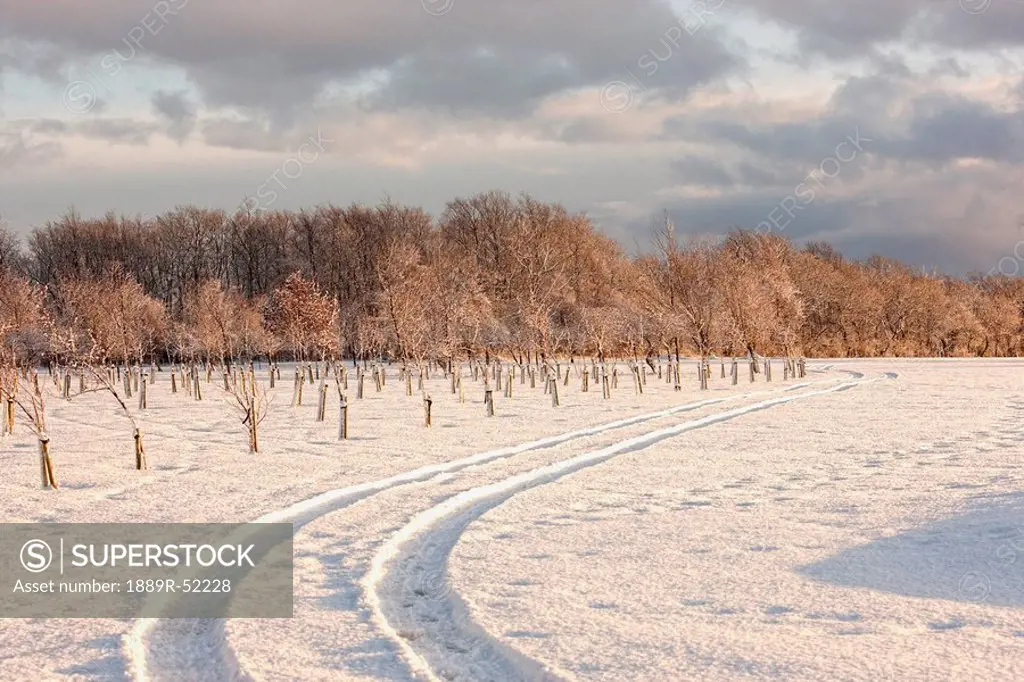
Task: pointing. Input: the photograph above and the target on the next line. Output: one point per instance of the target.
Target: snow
(862, 523)
(825, 540)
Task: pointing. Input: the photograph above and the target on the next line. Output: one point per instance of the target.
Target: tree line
(493, 275)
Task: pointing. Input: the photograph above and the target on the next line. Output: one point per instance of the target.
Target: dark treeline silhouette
(493, 275)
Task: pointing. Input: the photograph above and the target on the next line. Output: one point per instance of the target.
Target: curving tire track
(158, 649)
(407, 585)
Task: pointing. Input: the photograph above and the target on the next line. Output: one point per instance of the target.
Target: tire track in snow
(436, 631)
(157, 649)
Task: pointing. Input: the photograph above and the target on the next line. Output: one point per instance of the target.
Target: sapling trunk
(49, 480)
(254, 445)
(321, 408)
(140, 452)
(343, 420)
(295, 387)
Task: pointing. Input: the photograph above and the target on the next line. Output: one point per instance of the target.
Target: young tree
(251, 400)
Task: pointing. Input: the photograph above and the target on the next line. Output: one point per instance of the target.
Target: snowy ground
(852, 525)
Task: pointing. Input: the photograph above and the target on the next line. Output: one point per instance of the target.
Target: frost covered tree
(303, 317)
(226, 325)
(681, 288)
(113, 317)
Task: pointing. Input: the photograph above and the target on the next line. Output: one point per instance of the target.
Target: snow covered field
(860, 524)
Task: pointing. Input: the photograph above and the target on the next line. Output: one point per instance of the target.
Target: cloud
(842, 30)
(495, 58)
(176, 108)
(895, 117)
(116, 130)
(18, 151)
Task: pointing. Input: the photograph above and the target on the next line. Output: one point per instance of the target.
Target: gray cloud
(842, 30)
(497, 58)
(699, 170)
(116, 130)
(934, 127)
(18, 151)
(176, 108)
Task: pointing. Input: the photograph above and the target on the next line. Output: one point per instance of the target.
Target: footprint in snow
(941, 626)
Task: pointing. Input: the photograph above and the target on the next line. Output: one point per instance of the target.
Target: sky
(881, 126)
